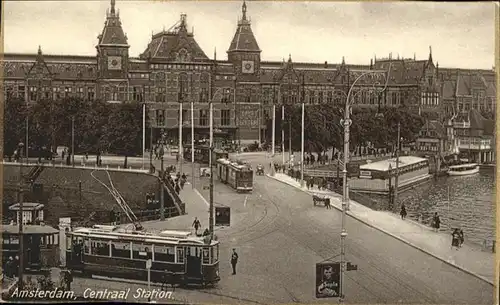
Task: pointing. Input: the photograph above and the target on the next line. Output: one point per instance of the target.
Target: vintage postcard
(255, 152)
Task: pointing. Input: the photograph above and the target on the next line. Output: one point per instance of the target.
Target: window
(203, 120)
(225, 117)
(141, 251)
(164, 253)
(46, 92)
(33, 91)
(204, 95)
(320, 97)
(183, 87)
(120, 249)
(137, 94)
(99, 247)
(185, 117)
(160, 117)
(55, 93)
(90, 93)
(79, 92)
(180, 255)
(226, 95)
(67, 91)
(21, 90)
(160, 94)
(294, 97)
(86, 245)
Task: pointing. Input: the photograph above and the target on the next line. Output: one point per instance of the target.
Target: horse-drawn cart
(324, 200)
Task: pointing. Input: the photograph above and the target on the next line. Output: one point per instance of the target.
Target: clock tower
(112, 48)
(244, 52)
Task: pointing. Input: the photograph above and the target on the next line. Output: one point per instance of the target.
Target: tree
(14, 124)
(124, 129)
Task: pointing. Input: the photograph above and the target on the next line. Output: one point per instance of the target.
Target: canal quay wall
(469, 258)
(73, 192)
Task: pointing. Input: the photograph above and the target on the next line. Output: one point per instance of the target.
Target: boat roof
(383, 165)
(463, 165)
(28, 229)
(167, 237)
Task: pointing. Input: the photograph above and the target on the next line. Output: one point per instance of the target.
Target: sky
(461, 33)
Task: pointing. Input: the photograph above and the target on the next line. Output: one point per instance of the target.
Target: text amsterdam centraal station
(174, 69)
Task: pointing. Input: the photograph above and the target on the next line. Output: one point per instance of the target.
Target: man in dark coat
(234, 260)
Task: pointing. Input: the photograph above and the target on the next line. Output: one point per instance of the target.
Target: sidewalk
(196, 206)
(469, 259)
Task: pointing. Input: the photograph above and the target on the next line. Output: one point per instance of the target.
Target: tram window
(6, 240)
(164, 253)
(180, 255)
(68, 243)
(141, 251)
(14, 239)
(206, 256)
(120, 249)
(86, 246)
(100, 247)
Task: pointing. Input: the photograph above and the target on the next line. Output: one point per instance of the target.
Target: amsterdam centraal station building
(174, 69)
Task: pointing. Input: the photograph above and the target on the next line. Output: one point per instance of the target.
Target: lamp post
(192, 143)
(143, 134)
(273, 138)
(396, 180)
(20, 218)
(73, 141)
(162, 195)
(180, 130)
(211, 212)
(346, 122)
(282, 135)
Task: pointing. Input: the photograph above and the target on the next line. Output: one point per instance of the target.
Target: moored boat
(463, 169)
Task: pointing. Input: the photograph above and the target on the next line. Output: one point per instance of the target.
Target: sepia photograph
(249, 152)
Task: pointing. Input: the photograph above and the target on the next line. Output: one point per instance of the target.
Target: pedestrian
(177, 188)
(462, 238)
(196, 225)
(68, 279)
(403, 211)
(87, 156)
(62, 154)
(455, 239)
(182, 182)
(234, 260)
(9, 267)
(436, 222)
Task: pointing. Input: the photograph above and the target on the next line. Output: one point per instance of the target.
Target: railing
(95, 167)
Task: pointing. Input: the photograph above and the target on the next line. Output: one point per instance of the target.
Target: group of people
(178, 183)
(11, 268)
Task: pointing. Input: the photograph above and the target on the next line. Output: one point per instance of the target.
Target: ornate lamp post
(161, 153)
(20, 199)
(346, 122)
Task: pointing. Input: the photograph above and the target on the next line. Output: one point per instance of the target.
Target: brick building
(174, 69)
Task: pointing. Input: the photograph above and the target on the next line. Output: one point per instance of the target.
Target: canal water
(466, 202)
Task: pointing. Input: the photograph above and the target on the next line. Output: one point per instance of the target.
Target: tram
(238, 175)
(202, 153)
(176, 256)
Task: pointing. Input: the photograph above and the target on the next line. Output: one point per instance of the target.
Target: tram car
(236, 174)
(202, 153)
(176, 256)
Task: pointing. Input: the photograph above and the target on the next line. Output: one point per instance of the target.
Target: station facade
(174, 70)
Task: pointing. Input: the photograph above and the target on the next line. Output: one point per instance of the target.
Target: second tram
(176, 257)
(202, 153)
(238, 175)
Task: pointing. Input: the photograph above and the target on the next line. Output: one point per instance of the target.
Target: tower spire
(113, 7)
(244, 11)
(215, 53)
(430, 53)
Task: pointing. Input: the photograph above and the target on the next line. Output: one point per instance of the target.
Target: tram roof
(233, 163)
(383, 165)
(164, 237)
(29, 229)
(28, 206)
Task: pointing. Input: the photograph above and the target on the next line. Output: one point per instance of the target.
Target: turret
(244, 51)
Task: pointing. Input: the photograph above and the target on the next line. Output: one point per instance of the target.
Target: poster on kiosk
(327, 280)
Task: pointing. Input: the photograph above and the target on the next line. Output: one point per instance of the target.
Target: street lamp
(161, 152)
(345, 196)
(20, 218)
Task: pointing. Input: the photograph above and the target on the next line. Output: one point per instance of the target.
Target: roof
(244, 39)
(448, 89)
(384, 164)
(120, 234)
(112, 33)
(176, 45)
(435, 126)
(27, 206)
(28, 229)
(235, 164)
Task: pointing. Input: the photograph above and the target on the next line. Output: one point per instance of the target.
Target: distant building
(476, 136)
(174, 69)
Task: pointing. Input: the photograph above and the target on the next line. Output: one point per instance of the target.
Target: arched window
(183, 88)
